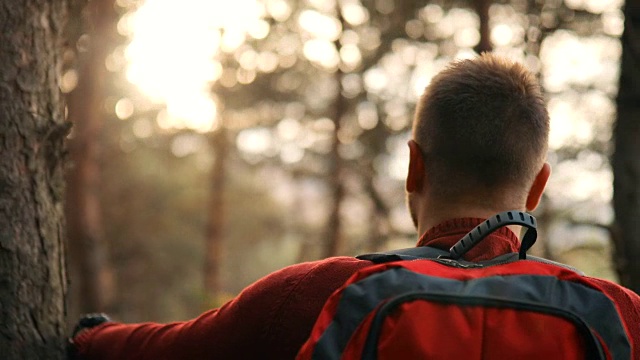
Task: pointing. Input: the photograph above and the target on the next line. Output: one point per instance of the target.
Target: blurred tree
(394, 22)
(157, 208)
(32, 133)
(397, 22)
(482, 8)
(335, 175)
(214, 236)
(545, 213)
(626, 155)
(153, 204)
(581, 25)
(89, 270)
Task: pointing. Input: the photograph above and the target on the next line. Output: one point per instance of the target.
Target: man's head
(480, 137)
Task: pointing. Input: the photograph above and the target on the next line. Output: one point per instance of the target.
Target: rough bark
(626, 157)
(86, 244)
(32, 131)
(217, 215)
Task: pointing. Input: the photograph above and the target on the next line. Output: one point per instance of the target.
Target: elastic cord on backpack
(513, 217)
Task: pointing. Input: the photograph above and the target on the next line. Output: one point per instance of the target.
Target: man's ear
(416, 174)
(537, 188)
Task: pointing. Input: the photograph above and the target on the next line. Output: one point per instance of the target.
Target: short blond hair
(482, 125)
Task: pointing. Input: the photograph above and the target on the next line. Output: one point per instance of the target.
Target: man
(478, 147)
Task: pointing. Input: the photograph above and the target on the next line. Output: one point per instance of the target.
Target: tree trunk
(217, 216)
(333, 230)
(379, 226)
(32, 133)
(545, 215)
(84, 219)
(334, 224)
(626, 157)
(482, 8)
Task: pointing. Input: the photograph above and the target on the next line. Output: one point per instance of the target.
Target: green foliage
(155, 209)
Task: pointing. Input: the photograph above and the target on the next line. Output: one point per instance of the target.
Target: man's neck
(430, 219)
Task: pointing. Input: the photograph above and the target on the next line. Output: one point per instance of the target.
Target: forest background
(214, 142)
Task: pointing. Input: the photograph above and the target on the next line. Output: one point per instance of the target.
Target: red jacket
(273, 317)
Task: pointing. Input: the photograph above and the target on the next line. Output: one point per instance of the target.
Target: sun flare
(173, 49)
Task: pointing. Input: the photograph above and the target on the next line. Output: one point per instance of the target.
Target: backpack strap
(471, 239)
(441, 256)
(414, 253)
(551, 262)
(453, 257)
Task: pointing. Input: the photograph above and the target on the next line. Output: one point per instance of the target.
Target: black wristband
(86, 322)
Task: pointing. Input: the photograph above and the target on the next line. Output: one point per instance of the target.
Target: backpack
(426, 303)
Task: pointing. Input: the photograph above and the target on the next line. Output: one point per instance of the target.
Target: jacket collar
(446, 234)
